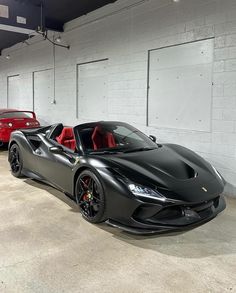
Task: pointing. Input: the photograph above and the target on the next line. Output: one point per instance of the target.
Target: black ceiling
(8, 39)
(56, 13)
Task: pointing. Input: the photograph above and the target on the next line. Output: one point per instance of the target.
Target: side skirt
(34, 176)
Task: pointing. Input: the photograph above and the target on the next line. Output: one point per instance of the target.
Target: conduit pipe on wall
(54, 73)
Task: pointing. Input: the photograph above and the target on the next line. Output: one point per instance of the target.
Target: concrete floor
(46, 246)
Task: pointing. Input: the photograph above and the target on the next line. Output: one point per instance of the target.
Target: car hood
(175, 171)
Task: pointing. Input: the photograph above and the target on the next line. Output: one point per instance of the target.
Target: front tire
(90, 197)
(15, 160)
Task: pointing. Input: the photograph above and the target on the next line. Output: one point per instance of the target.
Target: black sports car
(117, 174)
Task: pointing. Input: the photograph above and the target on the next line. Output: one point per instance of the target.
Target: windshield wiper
(143, 149)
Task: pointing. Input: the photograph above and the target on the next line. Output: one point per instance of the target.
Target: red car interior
(67, 138)
(102, 139)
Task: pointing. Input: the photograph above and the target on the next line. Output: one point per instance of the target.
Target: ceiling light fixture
(58, 39)
(8, 57)
(176, 1)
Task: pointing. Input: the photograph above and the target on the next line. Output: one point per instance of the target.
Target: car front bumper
(191, 217)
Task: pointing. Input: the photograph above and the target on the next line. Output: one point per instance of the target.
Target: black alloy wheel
(90, 197)
(15, 160)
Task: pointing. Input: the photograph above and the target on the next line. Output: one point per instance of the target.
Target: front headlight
(145, 192)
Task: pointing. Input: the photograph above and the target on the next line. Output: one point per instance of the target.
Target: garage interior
(167, 67)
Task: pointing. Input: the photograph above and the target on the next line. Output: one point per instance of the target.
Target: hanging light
(58, 39)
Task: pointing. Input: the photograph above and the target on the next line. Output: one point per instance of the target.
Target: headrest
(67, 133)
(98, 130)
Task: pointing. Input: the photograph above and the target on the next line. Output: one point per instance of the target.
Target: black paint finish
(192, 188)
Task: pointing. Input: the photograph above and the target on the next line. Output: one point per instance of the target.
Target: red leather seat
(102, 139)
(67, 138)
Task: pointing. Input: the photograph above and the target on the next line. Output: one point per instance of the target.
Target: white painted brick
(231, 40)
(219, 42)
(230, 189)
(222, 149)
(229, 114)
(226, 138)
(232, 52)
(217, 18)
(230, 89)
(222, 126)
(222, 165)
(221, 54)
(218, 90)
(204, 32)
(225, 77)
(230, 65)
(192, 24)
(219, 66)
(217, 114)
(224, 103)
(225, 28)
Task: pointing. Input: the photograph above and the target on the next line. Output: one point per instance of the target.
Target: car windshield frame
(143, 144)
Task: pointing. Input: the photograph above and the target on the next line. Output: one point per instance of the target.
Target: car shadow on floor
(4, 148)
(217, 237)
(53, 191)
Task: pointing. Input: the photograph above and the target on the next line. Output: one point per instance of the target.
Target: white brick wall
(124, 32)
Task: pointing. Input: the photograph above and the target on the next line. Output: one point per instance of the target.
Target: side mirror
(153, 138)
(56, 150)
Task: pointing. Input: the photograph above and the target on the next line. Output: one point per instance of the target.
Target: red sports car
(11, 120)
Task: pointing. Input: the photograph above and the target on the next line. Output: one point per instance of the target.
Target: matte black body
(190, 184)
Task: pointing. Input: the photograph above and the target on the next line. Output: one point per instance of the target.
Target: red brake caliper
(87, 195)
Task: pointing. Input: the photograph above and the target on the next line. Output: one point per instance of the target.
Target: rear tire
(90, 197)
(15, 160)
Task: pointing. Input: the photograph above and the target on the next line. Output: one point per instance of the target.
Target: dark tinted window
(16, 115)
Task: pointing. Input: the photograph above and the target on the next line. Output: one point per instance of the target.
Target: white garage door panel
(180, 96)
(176, 112)
(182, 55)
(43, 95)
(92, 90)
(14, 92)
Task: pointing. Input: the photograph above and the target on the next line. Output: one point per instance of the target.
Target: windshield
(16, 115)
(114, 137)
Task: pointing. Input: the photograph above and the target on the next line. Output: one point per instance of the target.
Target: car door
(56, 166)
